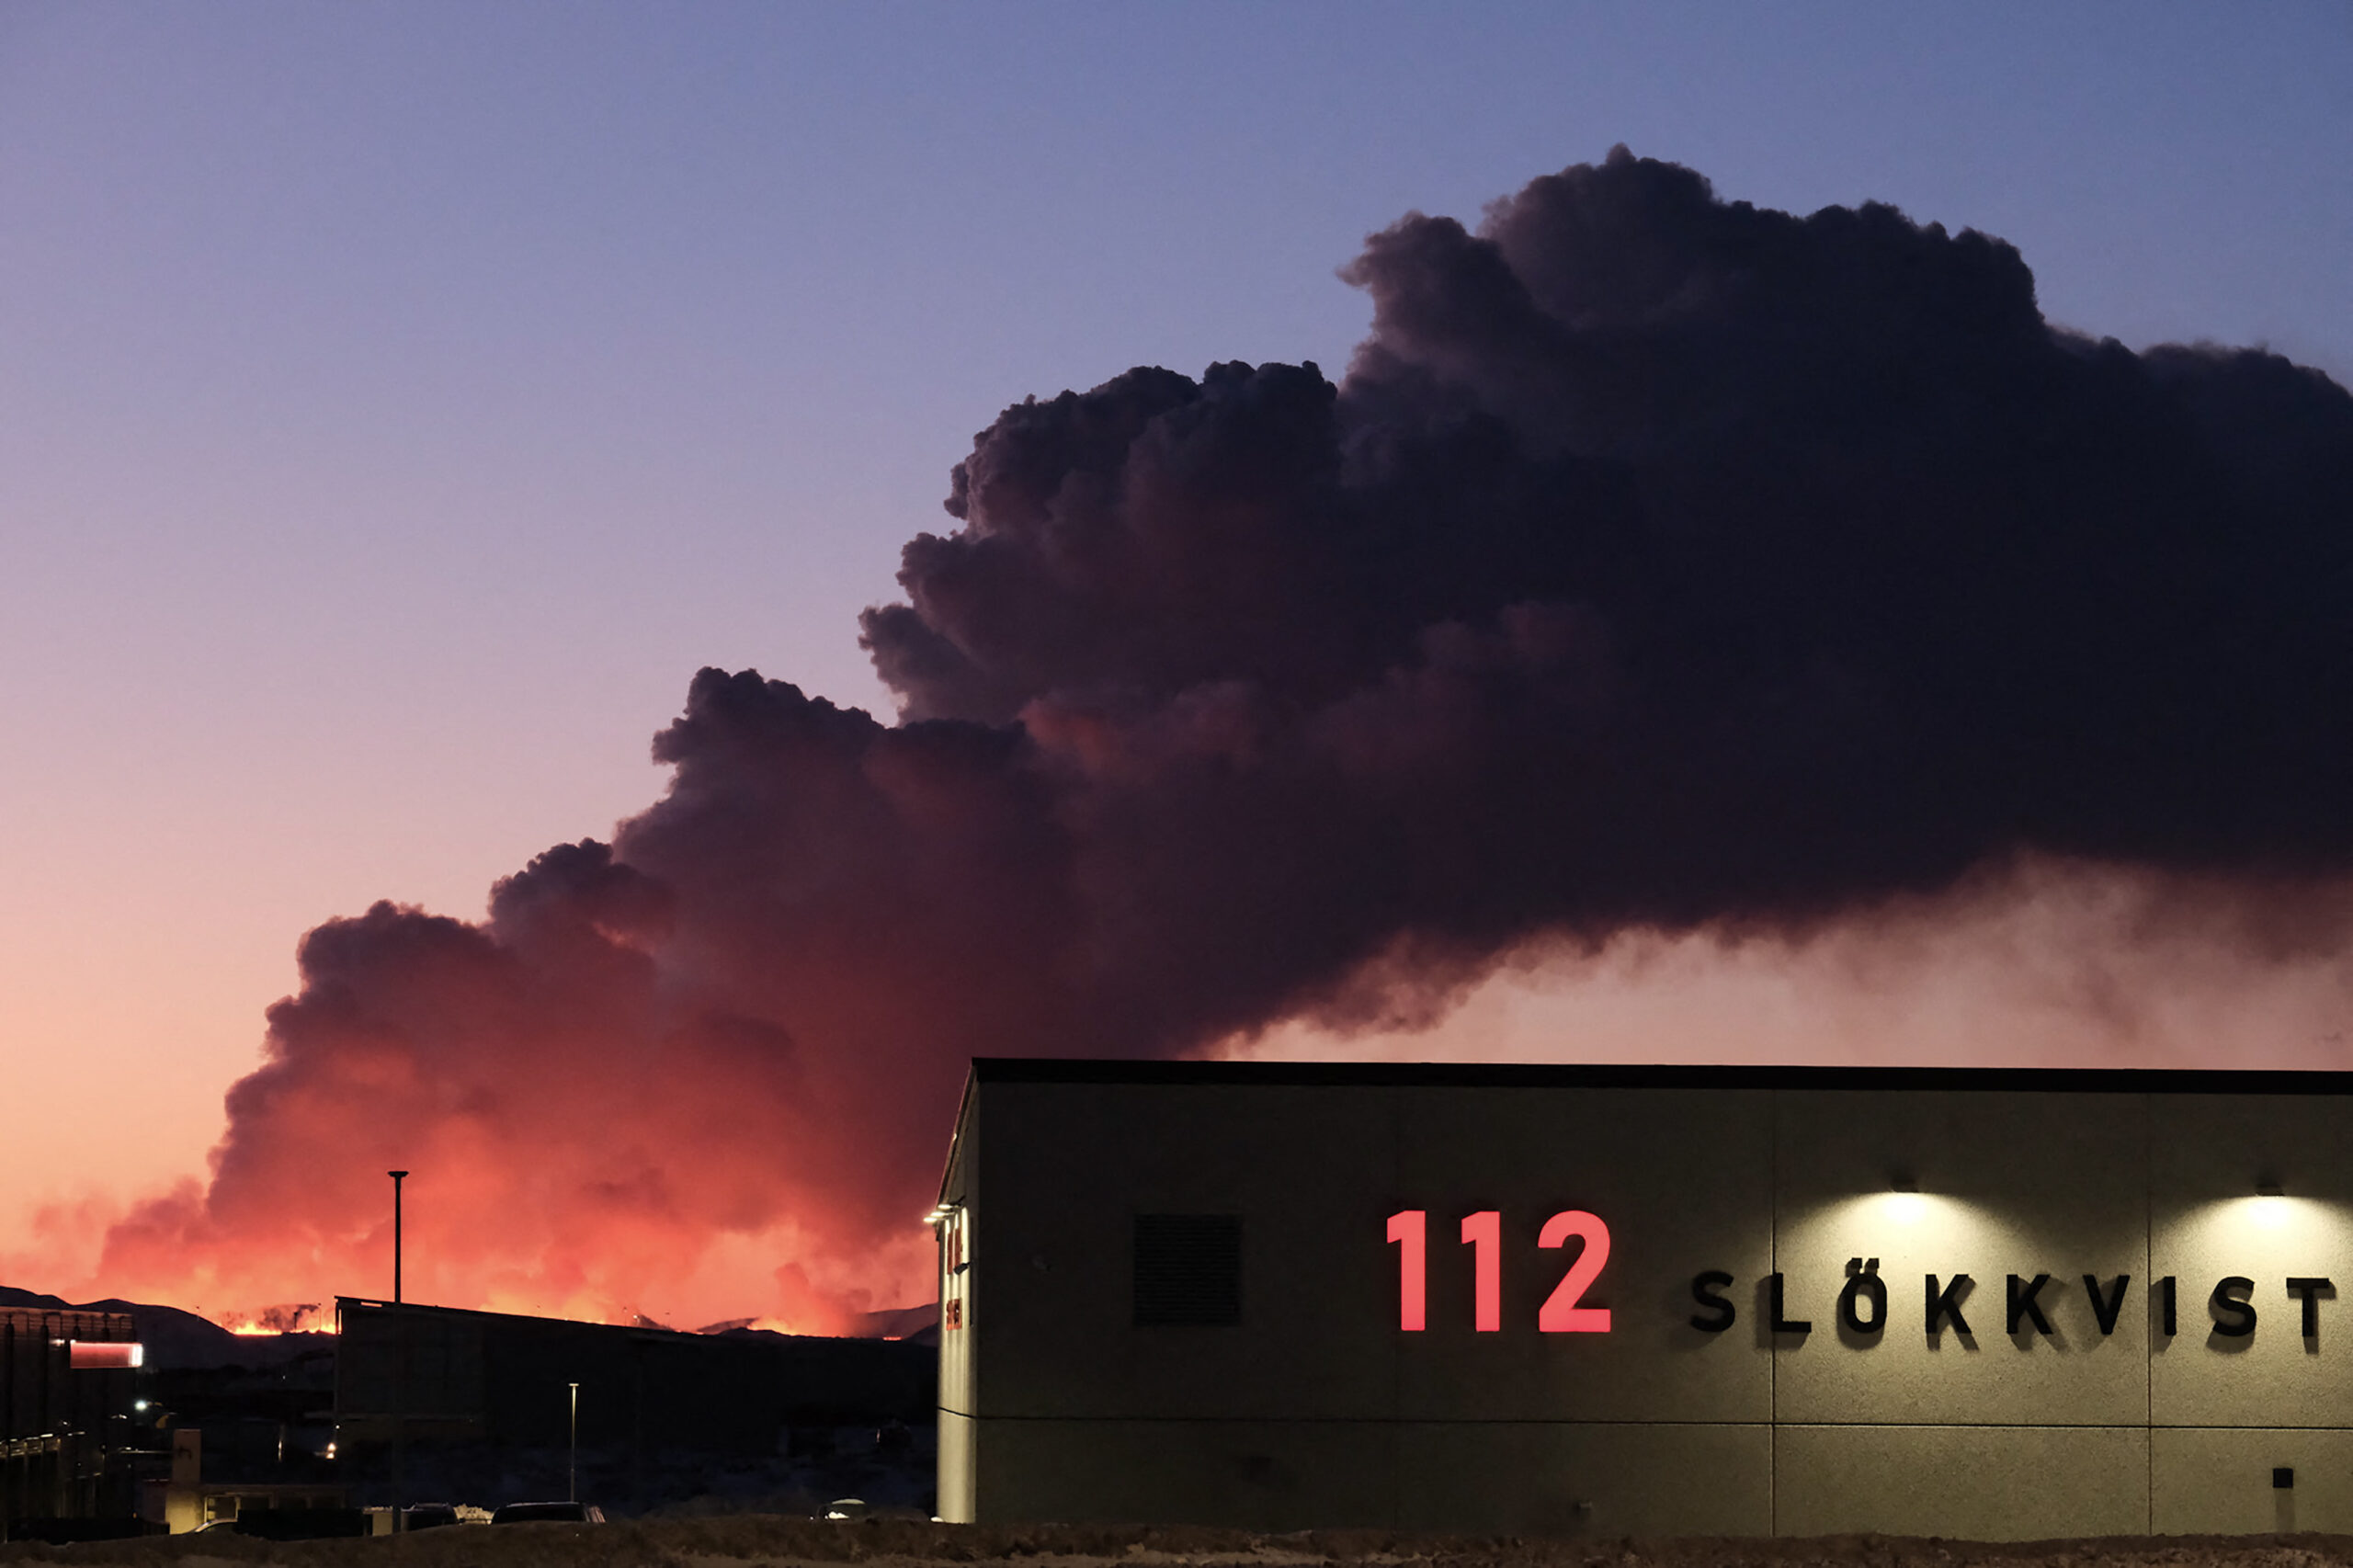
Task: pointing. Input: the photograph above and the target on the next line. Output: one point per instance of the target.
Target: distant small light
(137, 1405)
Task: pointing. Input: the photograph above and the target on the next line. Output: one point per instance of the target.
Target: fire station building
(1648, 1301)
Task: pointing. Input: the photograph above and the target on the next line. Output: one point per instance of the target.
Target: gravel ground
(767, 1541)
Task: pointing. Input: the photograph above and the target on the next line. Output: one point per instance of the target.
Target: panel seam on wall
(1164, 1419)
(1772, 1340)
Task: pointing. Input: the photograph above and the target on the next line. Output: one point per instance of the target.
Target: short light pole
(398, 1177)
(572, 1465)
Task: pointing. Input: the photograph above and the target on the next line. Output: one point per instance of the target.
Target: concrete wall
(955, 1228)
(1318, 1409)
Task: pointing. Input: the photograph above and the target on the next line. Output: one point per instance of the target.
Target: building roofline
(426, 1309)
(1656, 1075)
(964, 1120)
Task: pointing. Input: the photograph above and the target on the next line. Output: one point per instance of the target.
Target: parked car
(549, 1513)
(428, 1515)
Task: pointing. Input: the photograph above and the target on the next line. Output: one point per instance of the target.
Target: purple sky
(399, 403)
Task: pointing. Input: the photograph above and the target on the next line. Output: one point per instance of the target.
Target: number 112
(1483, 1232)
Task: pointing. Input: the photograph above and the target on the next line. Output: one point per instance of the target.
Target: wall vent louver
(1187, 1270)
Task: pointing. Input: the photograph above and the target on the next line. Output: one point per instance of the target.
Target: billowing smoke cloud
(1660, 565)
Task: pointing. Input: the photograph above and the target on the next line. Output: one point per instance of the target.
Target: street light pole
(398, 1177)
(572, 1465)
(400, 1371)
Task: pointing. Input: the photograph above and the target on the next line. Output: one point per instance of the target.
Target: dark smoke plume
(1660, 564)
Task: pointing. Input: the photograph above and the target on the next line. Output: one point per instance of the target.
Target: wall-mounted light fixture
(2271, 1211)
(1903, 1181)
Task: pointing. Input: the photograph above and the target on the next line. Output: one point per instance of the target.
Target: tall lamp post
(400, 1385)
(572, 1465)
(398, 1177)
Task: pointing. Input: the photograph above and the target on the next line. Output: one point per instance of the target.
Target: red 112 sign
(1483, 1233)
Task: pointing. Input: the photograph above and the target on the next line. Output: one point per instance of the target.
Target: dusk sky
(399, 403)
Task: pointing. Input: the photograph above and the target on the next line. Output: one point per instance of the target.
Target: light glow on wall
(2300, 1225)
(1922, 1217)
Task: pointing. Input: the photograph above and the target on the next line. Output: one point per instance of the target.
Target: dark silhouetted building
(496, 1389)
(67, 1388)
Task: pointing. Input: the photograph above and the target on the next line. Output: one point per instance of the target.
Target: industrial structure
(1646, 1300)
(501, 1392)
(66, 1427)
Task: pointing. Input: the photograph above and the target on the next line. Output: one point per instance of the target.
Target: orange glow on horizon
(545, 1210)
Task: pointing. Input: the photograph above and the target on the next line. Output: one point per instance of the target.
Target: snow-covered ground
(743, 1540)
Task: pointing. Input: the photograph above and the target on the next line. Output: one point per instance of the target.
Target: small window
(1188, 1270)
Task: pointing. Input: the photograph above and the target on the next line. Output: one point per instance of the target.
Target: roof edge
(1656, 1075)
(964, 1120)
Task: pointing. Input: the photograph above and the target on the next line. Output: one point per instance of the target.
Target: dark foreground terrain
(743, 1540)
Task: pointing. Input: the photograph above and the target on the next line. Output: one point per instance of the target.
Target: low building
(66, 1429)
(1648, 1301)
(192, 1500)
(514, 1395)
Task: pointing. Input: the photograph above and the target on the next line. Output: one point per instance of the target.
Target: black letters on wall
(2234, 1316)
(1782, 1322)
(1716, 1313)
(1946, 1307)
(2307, 1292)
(2023, 1304)
(1863, 1285)
(2105, 1309)
(1862, 1303)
